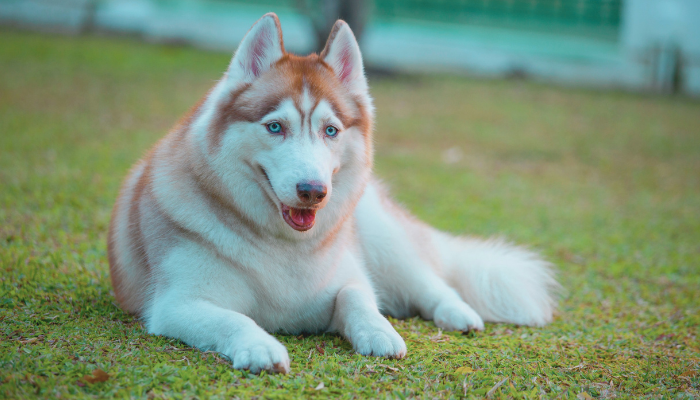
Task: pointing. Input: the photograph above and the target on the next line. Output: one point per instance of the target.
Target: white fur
(260, 48)
(216, 283)
(345, 58)
(503, 283)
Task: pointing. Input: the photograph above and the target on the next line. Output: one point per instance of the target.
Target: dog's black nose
(311, 192)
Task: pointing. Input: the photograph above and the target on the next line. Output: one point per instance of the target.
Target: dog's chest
(295, 313)
(294, 294)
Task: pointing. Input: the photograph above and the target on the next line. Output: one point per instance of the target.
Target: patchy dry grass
(607, 185)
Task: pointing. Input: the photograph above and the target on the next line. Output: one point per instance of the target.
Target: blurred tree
(324, 13)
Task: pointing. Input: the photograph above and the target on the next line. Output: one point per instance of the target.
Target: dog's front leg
(207, 326)
(357, 317)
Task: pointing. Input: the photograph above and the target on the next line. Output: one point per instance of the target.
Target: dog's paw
(457, 316)
(259, 353)
(377, 338)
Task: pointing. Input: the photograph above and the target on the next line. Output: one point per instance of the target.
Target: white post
(663, 37)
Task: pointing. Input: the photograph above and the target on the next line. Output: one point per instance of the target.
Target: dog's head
(299, 128)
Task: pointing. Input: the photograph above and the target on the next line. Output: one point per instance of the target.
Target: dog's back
(128, 265)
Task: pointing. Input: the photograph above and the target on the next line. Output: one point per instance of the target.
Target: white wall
(652, 29)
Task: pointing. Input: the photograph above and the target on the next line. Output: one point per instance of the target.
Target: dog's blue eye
(331, 130)
(274, 127)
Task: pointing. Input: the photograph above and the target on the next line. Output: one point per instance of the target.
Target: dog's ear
(342, 53)
(261, 47)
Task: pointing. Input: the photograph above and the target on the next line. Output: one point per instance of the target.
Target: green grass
(605, 184)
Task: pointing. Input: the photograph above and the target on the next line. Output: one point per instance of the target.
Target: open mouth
(300, 219)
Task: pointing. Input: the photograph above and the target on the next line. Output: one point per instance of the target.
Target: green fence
(597, 17)
(581, 13)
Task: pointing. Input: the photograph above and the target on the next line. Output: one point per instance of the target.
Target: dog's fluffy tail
(502, 282)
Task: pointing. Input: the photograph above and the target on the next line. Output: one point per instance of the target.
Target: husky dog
(259, 213)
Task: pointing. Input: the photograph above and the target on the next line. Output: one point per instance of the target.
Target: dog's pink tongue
(302, 217)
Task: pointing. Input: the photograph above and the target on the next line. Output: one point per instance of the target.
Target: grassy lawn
(605, 184)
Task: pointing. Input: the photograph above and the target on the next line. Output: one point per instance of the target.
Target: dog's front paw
(457, 316)
(377, 338)
(257, 353)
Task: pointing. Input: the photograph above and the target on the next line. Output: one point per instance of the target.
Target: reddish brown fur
(129, 299)
(115, 269)
(287, 79)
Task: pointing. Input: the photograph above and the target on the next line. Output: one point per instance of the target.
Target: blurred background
(650, 45)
